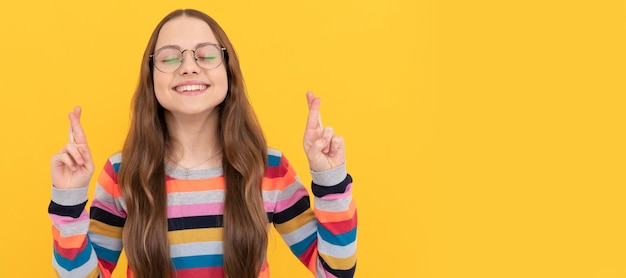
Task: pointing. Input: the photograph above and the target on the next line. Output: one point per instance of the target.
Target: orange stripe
(174, 186)
(109, 185)
(265, 270)
(68, 242)
(279, 183)
(313, 262)
(330, 216)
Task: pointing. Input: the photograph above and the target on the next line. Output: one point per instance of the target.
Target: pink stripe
(338, 196)
(201, 272)
(285, 204)
(110, 208)
(195, 210)
(63, 220)
(329, 275)
(269, 206)
(326, 273)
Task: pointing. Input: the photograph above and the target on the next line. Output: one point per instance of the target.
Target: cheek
(161, 81)
(161, 86)
(220, 79)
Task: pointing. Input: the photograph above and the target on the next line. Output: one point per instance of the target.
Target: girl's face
(190, 89)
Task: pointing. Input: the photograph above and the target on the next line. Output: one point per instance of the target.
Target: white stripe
(116, 158)
(336, 251)
(196, 249)
(300, 234)
(274, 152)
(192, 198)
(337, 205)
(290, 190)
(72, 229)
(80, 271)
(110, 243)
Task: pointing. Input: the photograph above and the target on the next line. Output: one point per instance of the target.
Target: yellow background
(486, 138)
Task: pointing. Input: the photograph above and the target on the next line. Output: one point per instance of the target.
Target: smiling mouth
(190, 88)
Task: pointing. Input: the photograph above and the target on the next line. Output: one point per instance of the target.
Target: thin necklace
(188, 169)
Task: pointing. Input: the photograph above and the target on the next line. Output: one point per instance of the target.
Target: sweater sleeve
(323, 237)
(87, 245)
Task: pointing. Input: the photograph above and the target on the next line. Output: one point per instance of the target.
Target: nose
(189, 64)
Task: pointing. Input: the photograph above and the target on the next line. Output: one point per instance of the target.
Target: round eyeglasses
(169, 59)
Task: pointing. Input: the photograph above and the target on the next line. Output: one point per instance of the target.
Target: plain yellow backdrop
(486, 138)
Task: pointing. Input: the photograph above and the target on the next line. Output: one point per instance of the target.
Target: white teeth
(187, 88)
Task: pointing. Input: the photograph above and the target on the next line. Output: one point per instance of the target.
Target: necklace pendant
(187, 174)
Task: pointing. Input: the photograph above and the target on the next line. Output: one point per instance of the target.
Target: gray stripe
(303, 232)
(116, 158)
(81, 271)
(333, 205)
(193, 174)
(199, 197)
(104, 196)
(195, 249)
(341, 252)
(69, 197)
(320, 273)
(271, 196)
(110, 243)
(291, 189)
(330, 177)
(72, 229)
(274, 152)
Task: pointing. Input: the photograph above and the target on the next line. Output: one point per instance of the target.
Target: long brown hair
(142, 172)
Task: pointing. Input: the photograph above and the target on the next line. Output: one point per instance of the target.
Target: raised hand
(324, 149)
(73, 167)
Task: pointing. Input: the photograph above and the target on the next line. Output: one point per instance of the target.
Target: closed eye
(173, 60)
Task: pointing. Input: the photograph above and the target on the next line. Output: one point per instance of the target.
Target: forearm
(335, 211)
(88, 244)
(73, 254)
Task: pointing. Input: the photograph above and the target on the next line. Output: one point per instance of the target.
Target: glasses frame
(182, 54)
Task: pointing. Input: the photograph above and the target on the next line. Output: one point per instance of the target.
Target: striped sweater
(323, 237)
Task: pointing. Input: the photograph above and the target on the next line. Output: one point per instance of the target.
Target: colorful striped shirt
(323, 238)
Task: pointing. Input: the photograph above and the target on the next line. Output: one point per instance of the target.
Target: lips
(190, 88)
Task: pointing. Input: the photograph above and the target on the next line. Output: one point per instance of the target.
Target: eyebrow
(179, 48)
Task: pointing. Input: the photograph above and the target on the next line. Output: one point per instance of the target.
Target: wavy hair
(142, 172)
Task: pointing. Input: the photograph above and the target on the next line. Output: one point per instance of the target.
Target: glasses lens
(168, 59)
(209, 56)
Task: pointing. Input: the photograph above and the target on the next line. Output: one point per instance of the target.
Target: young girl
(195, 188)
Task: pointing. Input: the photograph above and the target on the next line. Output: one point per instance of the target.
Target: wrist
(329, 177)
